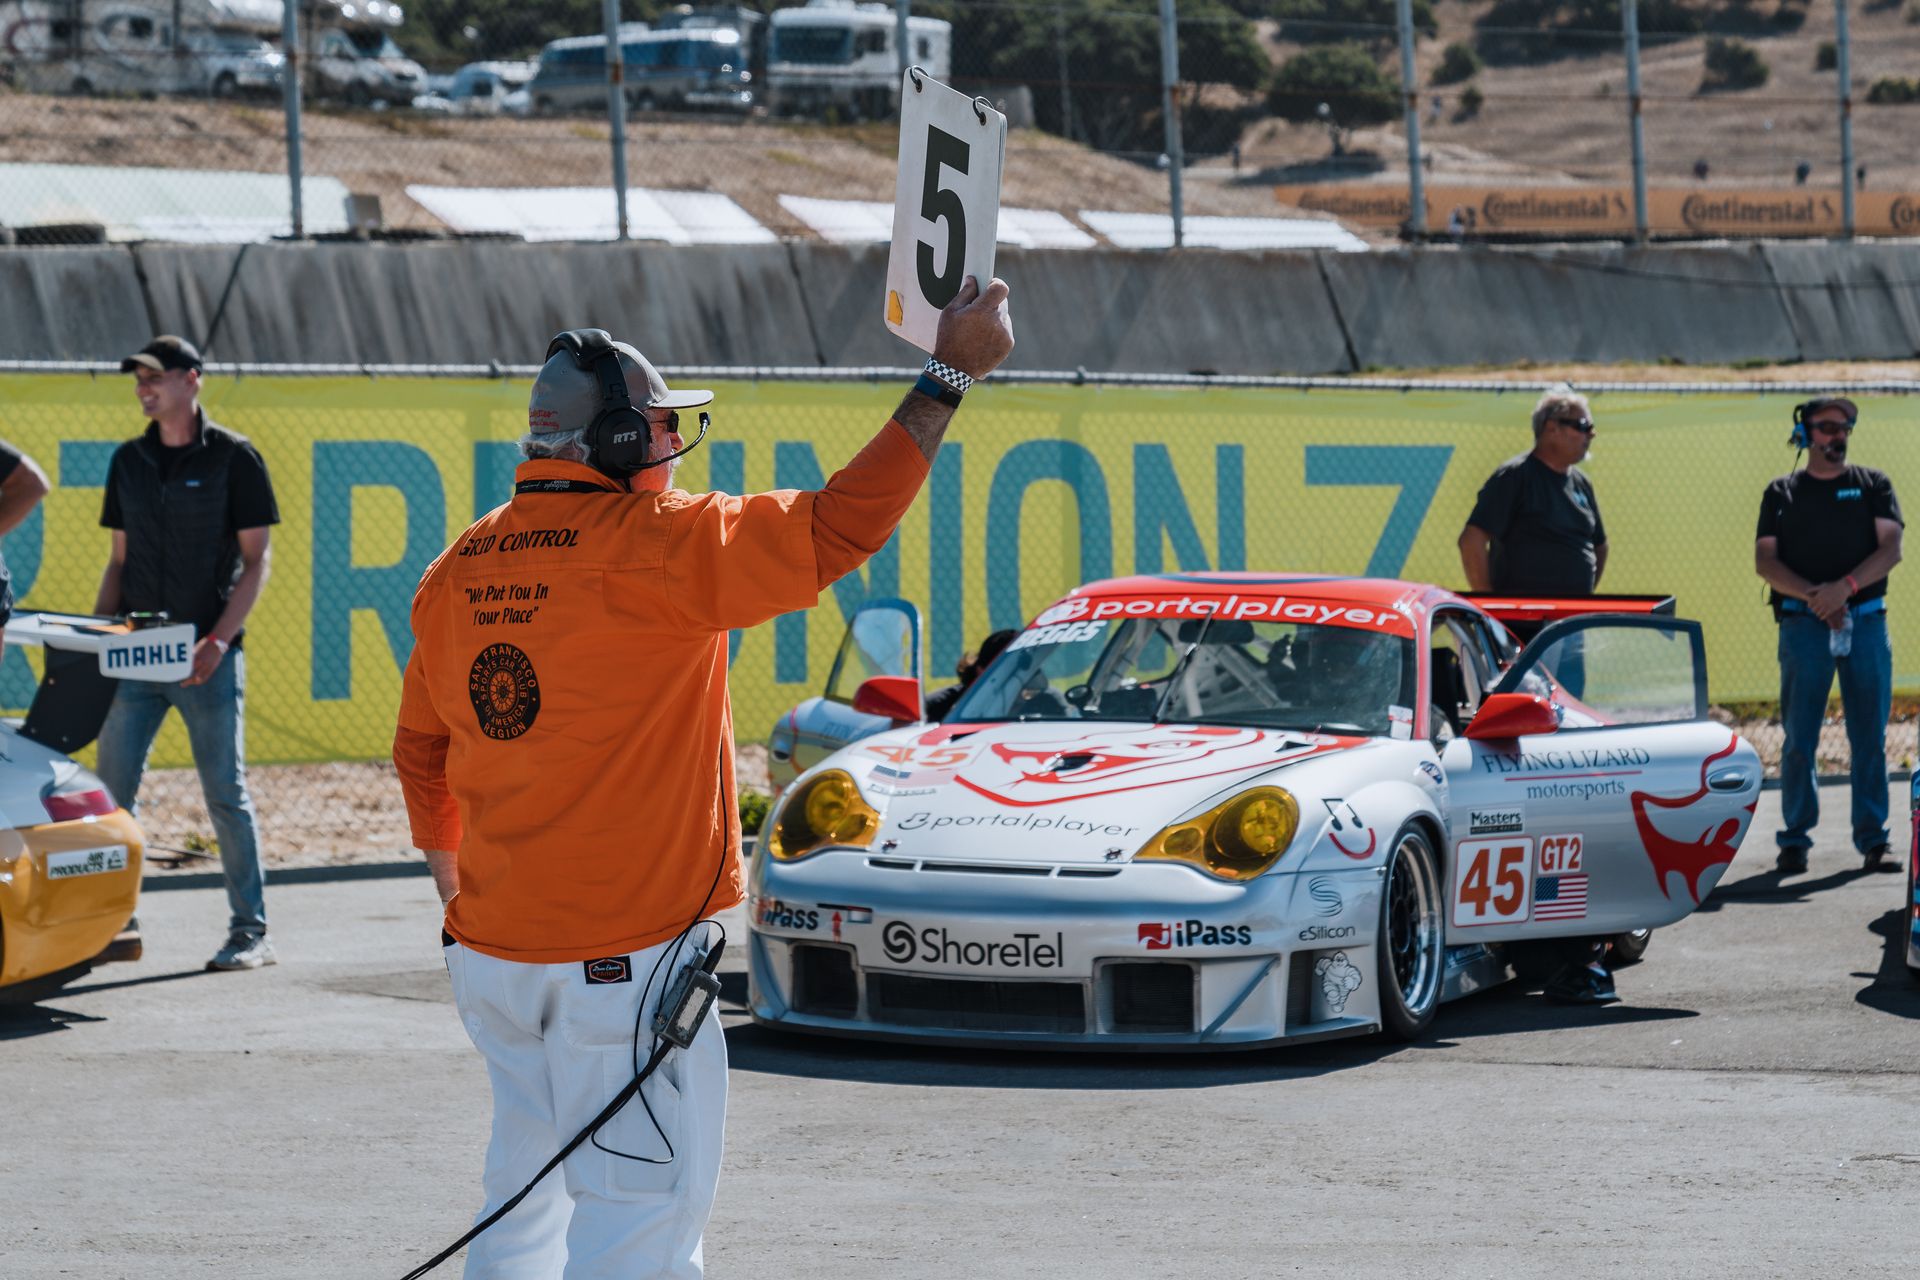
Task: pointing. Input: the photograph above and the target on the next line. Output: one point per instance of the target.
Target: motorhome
(130, 46)
(836, 58)
(352, 55)
(687, 68)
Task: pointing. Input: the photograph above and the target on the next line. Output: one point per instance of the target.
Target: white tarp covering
(588, 213)
(1155, 231)
(211, 206)
(871, 222)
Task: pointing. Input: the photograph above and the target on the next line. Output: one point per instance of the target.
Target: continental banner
(1038, 488)
(1608, 211)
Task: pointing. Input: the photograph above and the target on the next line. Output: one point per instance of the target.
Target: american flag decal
(1560, 898)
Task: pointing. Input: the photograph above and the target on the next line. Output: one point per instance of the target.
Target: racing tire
(1411, 950)
(1628, 948)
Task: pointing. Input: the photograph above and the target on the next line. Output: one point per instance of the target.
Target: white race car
(1235, 810)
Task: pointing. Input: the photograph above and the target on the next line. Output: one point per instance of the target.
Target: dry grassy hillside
(1566, 120)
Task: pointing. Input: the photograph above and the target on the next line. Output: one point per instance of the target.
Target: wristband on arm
(933, 389)
(1853, 588)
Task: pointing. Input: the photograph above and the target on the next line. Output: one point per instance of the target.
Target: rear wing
(76, 693)
(158, 654)
(1537, 611)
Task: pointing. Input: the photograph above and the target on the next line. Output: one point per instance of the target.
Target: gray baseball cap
(566, 397)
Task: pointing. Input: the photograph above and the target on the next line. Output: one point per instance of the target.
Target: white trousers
(558, 1048)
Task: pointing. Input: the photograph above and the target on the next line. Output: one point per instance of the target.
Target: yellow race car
(70, 856)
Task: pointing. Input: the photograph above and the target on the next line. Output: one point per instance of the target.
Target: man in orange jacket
(565, 744)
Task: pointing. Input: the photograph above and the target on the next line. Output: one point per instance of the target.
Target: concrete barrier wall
(1104, 311)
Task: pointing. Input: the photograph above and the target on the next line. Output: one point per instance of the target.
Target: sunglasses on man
(1583, 425)
(1832, 428)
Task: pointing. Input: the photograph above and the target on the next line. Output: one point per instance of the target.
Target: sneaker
(243, 951)
(1880, 858)
(1792, 860)
(1581, 984)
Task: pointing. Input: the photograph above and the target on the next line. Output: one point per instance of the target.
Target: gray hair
(1555, 403)
(567, 446)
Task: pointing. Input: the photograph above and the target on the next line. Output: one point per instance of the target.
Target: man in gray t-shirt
(1536, 528)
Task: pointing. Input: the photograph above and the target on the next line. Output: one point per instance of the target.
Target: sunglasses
(1583, 425)
(1832, 428)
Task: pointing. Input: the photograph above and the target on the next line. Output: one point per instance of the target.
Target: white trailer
(838, 58)
(130, 46)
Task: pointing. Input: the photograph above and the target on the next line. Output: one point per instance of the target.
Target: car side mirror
(1513, 715)
(895, 697)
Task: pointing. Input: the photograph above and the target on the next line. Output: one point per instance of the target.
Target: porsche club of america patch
(505, 691)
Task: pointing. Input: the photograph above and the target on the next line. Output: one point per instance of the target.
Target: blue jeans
(215, 713)
(1866, 695)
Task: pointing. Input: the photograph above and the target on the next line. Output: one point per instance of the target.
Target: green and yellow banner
(1038, 488)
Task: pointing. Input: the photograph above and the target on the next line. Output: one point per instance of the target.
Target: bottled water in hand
(1840, 638)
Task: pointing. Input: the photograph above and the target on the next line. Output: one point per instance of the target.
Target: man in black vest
(190, 504)
(1828, 537)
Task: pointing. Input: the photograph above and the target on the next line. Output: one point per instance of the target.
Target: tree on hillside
(1520, 31)
(1323, 21)
(1111, 55)
(1342, 77)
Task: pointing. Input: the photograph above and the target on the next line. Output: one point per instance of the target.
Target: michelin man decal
(1338, 979)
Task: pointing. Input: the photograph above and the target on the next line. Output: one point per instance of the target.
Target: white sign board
(946, 205)
(161, 654)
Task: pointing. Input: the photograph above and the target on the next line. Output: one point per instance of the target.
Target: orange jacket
(564, 723)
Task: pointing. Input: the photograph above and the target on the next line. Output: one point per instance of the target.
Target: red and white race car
(1236, 809)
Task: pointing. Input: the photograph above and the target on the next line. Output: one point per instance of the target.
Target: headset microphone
(620, 435)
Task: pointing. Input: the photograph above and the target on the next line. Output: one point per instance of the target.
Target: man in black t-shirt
(22, 485)
(1828, 536)
(1536, 531)
(1536, 528)
(190, 506)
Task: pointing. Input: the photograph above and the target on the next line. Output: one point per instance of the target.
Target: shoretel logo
(146, 655)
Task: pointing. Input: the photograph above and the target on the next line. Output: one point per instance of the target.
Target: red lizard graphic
(1714, 848)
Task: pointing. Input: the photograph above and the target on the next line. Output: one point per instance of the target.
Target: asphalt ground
(1751, 1109)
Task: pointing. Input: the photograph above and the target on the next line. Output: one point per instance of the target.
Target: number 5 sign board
(946, 206)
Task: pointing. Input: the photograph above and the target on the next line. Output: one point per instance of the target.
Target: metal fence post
(1843, 63)
(1630, 24)
(902, 10)
(290, 41)
(1416, 191)
(1170, 76)
(617, 109)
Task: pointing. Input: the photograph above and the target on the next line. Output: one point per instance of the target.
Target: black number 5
(936, 202)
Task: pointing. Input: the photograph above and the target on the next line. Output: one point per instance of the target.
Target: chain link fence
(170, 119)
(1040, 487)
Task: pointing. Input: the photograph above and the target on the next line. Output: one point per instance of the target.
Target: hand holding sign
(974, 333)
(946, 208)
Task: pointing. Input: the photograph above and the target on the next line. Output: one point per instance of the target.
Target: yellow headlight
(1236, 840)
(828, 809)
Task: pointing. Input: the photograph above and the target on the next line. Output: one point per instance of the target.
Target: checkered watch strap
(951, 376)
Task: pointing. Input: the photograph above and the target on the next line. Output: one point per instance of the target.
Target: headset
(620, 435)
(1799, 439)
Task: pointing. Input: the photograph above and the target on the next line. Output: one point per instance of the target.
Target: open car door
(1592, 794)
(882, 639)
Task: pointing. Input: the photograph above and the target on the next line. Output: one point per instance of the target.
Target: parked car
(1236, 809)
(237, 63)
(71, 855)
(363, 66)
(481, 89)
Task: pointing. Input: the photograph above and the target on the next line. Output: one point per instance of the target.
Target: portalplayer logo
(505, 691)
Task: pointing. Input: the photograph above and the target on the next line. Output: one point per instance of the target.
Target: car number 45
(1492, 880)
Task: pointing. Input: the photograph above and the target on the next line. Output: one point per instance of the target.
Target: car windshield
(375, 44)
(236, 42)
(826, 45)
(1283, 675)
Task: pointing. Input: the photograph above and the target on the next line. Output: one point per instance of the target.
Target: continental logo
(1705, 212)
(1535, 208)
